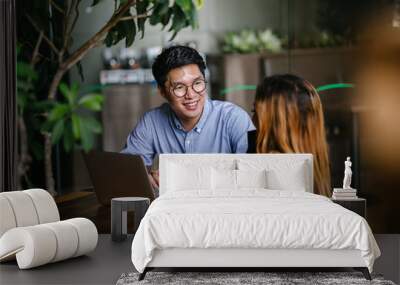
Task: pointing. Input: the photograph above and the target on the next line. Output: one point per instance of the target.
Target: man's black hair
(174, 57)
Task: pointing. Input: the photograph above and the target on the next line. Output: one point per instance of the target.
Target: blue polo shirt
(222, 128)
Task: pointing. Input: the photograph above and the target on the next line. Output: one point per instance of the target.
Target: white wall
(215, 18)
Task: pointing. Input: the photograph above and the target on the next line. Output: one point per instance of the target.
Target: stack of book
(344, 194)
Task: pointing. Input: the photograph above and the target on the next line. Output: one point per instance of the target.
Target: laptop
(117, 175)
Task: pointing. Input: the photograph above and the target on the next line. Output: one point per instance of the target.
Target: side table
(358, 205)
(119, 208)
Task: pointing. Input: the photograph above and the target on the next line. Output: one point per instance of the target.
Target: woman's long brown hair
(289, 119)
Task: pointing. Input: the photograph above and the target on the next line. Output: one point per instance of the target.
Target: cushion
(199, 160)
(67, 239)
(7, 218)
(227, 179)
(45, 205)
(23, 208)
(251, 178)
(170, 180)
(280, 174)
(188, 177)
(40, 244)
(224, 179)
(87, 234)
(26, 208)
(292, 179)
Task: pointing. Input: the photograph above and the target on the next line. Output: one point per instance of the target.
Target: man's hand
(154, 178)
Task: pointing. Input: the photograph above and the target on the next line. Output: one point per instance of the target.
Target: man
(190, 122)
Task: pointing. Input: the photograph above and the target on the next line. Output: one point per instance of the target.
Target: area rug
(243, 278)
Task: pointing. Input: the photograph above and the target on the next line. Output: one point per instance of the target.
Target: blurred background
(349, 50)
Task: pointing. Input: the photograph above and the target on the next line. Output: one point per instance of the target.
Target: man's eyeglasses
(180, 89)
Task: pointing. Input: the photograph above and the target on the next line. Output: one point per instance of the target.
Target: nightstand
(119, 207)
(358, 206)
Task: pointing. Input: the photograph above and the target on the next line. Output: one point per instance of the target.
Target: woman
(289, 119)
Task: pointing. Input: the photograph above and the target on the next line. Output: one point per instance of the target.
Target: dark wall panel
(8, 111)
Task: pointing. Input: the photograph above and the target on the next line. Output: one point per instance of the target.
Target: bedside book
(341, 190)
(345, 194)
(339, 197)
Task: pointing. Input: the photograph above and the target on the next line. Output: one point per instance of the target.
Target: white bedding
(251, 218)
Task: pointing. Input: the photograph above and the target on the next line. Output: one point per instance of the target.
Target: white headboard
(231, 161)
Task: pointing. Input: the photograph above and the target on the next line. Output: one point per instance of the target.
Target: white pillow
(281, 174)
(188, 177)
(223, 179)
(197, 160)
(292, 179)
(235, 179)
(251, 178)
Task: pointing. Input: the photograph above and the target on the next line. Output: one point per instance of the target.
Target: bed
(246, 211)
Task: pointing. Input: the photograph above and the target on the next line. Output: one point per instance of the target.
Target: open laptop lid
(117, 175)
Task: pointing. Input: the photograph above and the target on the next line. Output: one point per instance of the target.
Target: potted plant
(50, 50)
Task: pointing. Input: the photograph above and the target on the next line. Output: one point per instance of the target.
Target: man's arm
(154, 178)
(140, 141)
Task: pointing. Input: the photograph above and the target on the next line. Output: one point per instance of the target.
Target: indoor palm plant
(68, 122)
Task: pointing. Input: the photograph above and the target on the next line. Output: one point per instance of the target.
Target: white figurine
(347, 174)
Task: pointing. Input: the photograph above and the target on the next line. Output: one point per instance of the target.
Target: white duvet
(250, 218)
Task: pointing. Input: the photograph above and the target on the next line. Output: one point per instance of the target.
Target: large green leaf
(199, 4)
(69, 93)
(58, 112)
(190, 11)
(124, 29)
(64, 89)
(74, 90)
(87, 138)
(165, 18)
(141, 8)
(185, 5)
(92, 102)
(25, 70)
(57, 132)
(76, 126)
(117, 33)
(91, 124)
(108, 41)
(160, 8)
(193, 18)
(179, 21)
(130, 30)
(26, 77)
